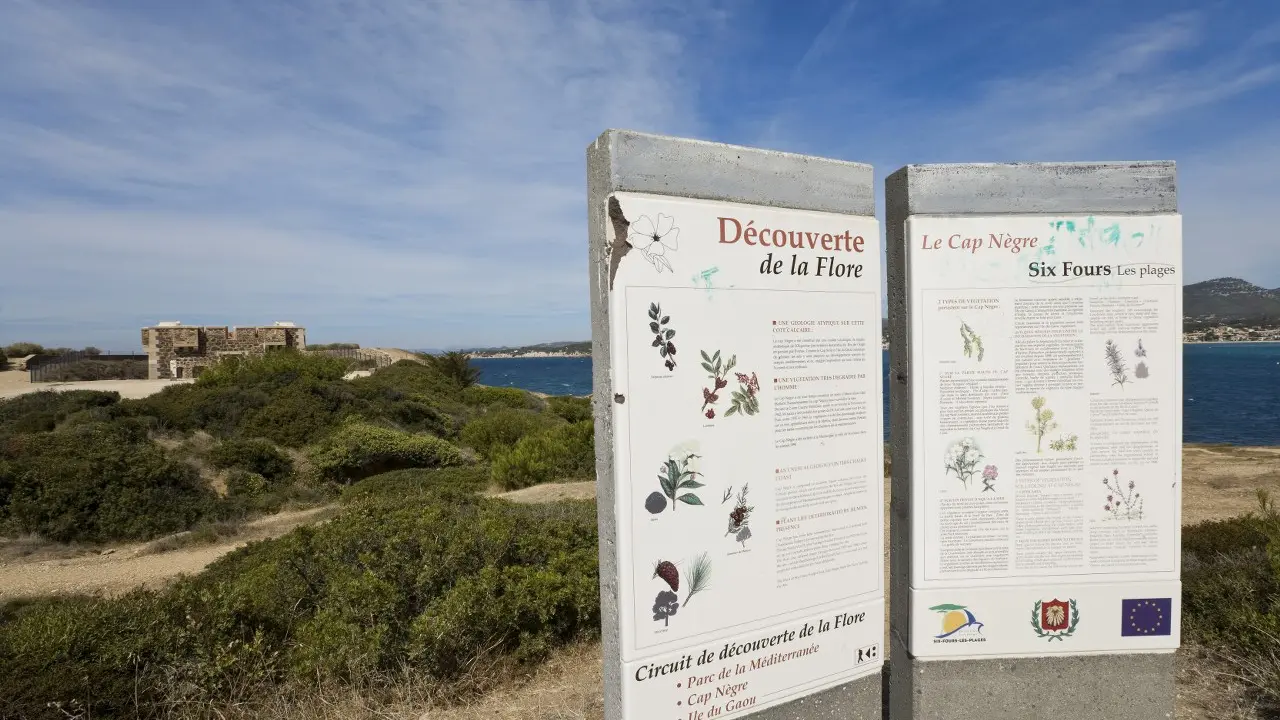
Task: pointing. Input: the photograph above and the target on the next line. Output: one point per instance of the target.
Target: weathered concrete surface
(1057, 688)
(622, 160)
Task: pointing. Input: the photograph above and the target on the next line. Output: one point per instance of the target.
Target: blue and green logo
(959, 624)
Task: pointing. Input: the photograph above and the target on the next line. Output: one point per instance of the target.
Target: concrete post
(700, 180)
(1084, 677)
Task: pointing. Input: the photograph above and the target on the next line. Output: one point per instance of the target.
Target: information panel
(1047, 406)
(746, 361)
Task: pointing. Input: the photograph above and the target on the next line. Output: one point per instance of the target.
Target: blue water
(1231, 390)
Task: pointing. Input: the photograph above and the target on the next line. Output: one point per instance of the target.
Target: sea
(1231, 391)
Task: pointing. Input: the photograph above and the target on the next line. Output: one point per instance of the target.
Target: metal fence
(43, 368)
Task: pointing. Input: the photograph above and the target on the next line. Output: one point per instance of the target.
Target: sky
(411, 173)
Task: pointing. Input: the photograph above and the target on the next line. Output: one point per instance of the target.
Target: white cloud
(428, 157)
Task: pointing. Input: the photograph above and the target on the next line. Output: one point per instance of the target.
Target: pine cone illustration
(667, 571)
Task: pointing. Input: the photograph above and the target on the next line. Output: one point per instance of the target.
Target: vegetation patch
(359, 449)
(564, 453)
(432, 587)
(1231, 596)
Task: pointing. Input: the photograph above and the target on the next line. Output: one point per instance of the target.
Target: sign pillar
(1035, 317)
(735, 303)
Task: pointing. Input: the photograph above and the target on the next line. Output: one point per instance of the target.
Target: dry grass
(1210, 687)
(565, 687)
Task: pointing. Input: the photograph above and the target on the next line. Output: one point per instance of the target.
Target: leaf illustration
(732, 409)
(690, 485)
(946, 608)
(705, 356)
(708, 368)
(657, 342)
(716, 356)
(653, 327)
(665, 319)
(670, 334)
(689, 499)
(653, 310)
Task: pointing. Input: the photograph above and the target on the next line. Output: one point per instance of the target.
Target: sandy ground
(14, 383)
(116, 570)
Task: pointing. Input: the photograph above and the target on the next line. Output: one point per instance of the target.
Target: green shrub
(23, 349)
(561, 454)
(300, 413)
(1231, 594)
(97, 482)
(573, 409)
(408, 378)
(45, 410)
(245, 484)
(4, 361)
(274, 368)
(188, 407)
(499, 429)
(253, 455)
(359, 449)
(484, 396)
(456, 366)
(377, 588)
(398, 485)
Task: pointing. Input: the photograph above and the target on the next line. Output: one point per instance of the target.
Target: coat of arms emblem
(1055, 619)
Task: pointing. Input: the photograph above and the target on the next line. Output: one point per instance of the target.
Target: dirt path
(123, 568)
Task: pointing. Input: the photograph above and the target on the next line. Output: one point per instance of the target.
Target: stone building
(177, 351)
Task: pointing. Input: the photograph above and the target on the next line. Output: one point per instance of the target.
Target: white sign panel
(749, 455)
(1047, 397)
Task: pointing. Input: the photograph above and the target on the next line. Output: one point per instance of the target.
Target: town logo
(1055, 619)
(958, 624)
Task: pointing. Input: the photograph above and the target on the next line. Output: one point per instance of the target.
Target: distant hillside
(551, 348)
(1230, 300)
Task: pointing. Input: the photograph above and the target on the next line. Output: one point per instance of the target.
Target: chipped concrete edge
(628, 161)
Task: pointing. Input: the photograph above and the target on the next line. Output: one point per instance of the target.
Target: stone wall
(185, 351)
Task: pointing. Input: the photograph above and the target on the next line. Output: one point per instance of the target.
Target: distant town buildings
(176, 351)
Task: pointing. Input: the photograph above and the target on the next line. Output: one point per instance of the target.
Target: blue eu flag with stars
(1146, 617)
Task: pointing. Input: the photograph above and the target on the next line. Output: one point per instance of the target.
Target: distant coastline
(517, 356)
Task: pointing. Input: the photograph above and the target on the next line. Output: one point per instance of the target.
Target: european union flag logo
(1146, 616)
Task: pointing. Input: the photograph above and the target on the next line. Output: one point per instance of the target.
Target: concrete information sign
(747, 453)
(1047, 391)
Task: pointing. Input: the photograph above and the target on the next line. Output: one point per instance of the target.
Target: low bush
(23, 349)
(253, 455)
(498, 430)
(45, 410)
(484, 396)
(359, 449)
(4, 361)
(88, 369)
(1231, 595)
(432, 587)
(561, 454)
(400, 486)
(96, 482)
(573, 409)
(456, 366)
(278, 368)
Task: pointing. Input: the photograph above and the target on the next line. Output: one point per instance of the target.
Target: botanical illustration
(744, 400)
(676, 478)
(990, 474)
(654, 240)
(662, 335)
(963, 459)
(1123, 503)
(1115, 363)
(717, 371)
(1042, 422)
(739, 516)
(1065, 442)
(1140, 370)
(1055, 619)
(972, 342)
(667, 603)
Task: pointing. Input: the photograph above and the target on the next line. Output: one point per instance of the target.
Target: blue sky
(411, 172)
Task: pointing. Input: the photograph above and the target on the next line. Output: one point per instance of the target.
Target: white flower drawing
(654, 241)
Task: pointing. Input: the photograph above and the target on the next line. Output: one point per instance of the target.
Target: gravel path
(124, 568)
